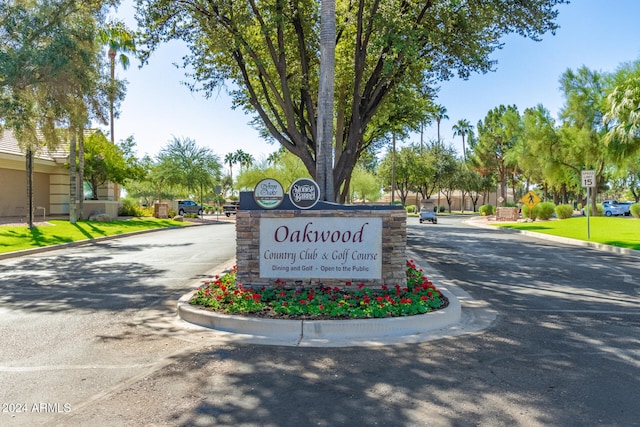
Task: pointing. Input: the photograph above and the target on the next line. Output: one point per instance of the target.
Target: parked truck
(230, 209)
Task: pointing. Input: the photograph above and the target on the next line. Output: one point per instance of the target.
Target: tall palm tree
(440, 114)
(230, 159)
(462, 128)
(245, 159)
(120, 41)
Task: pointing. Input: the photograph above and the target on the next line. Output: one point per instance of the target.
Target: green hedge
(544, 210)
(564, 211)
(635, 210)
(487, 210)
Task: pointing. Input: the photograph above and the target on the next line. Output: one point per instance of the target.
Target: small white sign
(268, 193)
(588, 178)
(321, 248)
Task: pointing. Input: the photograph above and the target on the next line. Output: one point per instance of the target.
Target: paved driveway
(563, 350)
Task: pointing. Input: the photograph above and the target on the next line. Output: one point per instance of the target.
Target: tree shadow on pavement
(473, 380)
(52, 284)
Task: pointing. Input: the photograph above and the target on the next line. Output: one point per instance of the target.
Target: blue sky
(596, 33)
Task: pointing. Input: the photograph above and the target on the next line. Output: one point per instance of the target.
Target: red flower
(361, 285)
(384, 287)
(321, 307)
(348, 283)
(303, 301)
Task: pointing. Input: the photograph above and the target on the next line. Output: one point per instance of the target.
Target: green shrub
(526, 212)
(635, 210)
(410, 209)
(441, 209)
(544, 210)
(130, 207)
(564, 211)
(486, 210)
(599, 210)
(146, 212)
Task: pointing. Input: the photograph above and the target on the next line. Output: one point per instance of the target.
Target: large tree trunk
(324, 157)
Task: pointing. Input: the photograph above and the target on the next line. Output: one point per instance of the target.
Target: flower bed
(417, 296)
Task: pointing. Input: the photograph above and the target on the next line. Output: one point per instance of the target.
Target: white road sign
(589, 179)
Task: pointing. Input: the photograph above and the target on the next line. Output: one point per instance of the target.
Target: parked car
(189, 206)
(609, 209)
(612, 209)
(625, 207)
(231, 208)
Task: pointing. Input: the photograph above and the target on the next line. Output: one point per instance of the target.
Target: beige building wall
(13, 197)
(59, 194)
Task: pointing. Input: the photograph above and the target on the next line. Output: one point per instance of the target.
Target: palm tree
(462, 128)
(441, 114)
(245, 159)
(231, 159)
(120, 42)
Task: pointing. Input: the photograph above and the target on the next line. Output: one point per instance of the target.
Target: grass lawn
(61, 231)
(616, 231)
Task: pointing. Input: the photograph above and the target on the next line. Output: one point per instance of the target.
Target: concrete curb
(326, 333)
(575, 242)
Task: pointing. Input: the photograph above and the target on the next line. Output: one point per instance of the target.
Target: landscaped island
(292, 301)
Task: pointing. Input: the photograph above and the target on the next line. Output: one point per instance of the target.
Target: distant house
(50, 182)
(50, 179)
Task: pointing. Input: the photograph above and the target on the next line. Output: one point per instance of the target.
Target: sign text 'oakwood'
(317, 248)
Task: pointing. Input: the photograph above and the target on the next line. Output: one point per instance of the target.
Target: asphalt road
(91, 332)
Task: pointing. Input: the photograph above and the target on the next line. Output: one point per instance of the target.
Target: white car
(609, 210)
(612, 209)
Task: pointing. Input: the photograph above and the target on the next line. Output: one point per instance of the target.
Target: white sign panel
(588, 179)
(317, 248)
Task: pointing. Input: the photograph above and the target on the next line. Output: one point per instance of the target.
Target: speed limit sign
(589, 179)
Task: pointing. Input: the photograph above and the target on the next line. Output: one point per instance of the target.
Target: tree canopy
(270, 51)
